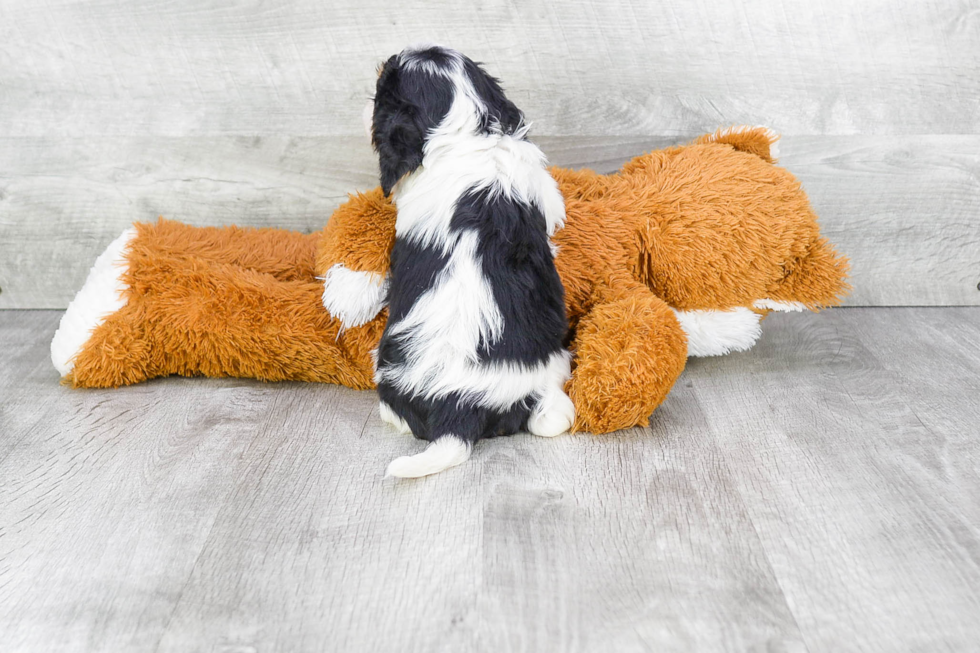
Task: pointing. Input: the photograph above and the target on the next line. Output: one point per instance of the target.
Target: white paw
(354, 298)
(553, 415)
(388, 416)
(716, 333)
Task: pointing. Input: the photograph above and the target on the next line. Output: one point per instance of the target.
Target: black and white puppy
(476, 314)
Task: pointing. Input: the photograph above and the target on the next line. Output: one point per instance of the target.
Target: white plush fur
(782, 307)
(354, 298)
(102, 295)
(448, 451)
(714, 333)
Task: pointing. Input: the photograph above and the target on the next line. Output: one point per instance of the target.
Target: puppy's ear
(397, 134)
(500, 110)
(399, 143)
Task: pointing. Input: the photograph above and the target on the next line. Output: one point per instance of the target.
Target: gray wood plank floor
(818, 493)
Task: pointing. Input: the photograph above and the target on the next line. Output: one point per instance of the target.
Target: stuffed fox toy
(680, 253)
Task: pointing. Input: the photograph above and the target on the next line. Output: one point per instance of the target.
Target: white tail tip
(448, 451)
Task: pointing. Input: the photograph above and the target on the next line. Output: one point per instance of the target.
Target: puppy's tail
(442, 453)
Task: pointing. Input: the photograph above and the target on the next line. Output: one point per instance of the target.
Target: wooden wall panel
(904, 209)
(136, 67)
(249, 112)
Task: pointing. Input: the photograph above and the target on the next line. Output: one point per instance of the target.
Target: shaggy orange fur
(711, 226)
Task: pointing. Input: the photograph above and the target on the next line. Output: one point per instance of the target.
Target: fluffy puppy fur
(473, 346)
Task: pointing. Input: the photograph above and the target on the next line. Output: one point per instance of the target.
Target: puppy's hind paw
(553, 416)
(388, 416)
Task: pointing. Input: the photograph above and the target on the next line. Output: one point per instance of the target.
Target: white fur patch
(782, 307)
(354, 298)
(448, 321)
(715, 333)
(409, 59)
(496, 385)
(456, 159)
(447, 451)
(102, 295)
(774, 148)
(553, 415)
(388, 416)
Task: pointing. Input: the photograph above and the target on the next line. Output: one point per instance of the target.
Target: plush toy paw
(354, 298)
(629, 353)
(716, 333)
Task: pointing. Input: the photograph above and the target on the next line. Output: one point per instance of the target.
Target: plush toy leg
(222, 302)
(816, 280)
(353, 256)
(103, 294)
(629, 352)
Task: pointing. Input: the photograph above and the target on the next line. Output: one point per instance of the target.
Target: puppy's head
(426, 90)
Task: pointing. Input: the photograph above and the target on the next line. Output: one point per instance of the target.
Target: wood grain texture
(202, 67)
(903, 209)
(817, 493)
(217, 112)
(858, 465)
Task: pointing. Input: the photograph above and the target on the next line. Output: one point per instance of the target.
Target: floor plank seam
(755, 530)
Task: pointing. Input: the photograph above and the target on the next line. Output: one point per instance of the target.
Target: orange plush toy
(681, 253)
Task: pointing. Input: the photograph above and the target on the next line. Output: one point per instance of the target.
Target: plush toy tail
(441, 454)
(760, 141)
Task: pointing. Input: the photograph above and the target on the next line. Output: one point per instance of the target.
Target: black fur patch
(414, 269)
(512, 244)
(452, 414)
